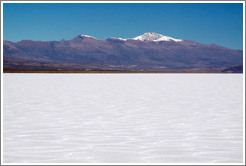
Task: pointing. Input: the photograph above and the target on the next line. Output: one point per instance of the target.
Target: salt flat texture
(123, 118)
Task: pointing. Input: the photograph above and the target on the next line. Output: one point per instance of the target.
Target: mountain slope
(148, 52)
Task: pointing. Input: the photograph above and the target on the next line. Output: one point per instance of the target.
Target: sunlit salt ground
(123, 118)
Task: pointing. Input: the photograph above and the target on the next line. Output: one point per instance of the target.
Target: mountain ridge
(147, 52)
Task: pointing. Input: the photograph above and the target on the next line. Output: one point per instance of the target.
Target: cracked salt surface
(122, 118)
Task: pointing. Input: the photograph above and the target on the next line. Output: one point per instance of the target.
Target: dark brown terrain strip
(102, 71)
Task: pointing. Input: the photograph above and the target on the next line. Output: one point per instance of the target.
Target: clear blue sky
(204, 23)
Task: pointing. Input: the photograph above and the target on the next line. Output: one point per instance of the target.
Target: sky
(208, 23)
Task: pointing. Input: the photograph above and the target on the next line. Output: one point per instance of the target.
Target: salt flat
(122, 118)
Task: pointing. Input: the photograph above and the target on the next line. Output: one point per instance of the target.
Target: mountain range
(147, 52)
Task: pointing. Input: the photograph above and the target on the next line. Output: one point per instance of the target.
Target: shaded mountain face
(234, 69)
(148, 52)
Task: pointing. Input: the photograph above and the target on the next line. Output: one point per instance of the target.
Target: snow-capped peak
(87, 36)
(152, 36)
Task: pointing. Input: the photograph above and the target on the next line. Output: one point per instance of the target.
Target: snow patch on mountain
(114, 38)
(152, 36)
(149, 36)
(87, 36)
